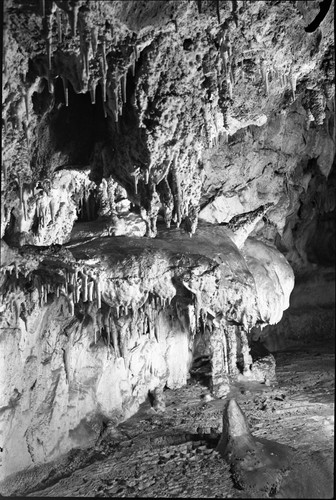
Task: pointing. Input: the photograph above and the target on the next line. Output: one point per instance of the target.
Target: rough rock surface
(215, 119)
(67, 342)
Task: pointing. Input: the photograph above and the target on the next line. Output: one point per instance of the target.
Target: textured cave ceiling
(168, 168)
(202, 110)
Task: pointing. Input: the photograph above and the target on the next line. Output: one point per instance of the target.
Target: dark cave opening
(76, 128)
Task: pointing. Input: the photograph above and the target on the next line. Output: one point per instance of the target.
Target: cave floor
(172, 453)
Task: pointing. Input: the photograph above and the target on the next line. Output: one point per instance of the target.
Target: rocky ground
(172, 453)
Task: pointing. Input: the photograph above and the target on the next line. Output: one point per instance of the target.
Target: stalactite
(87, 59)
(66, 90)
(20, 190)
(50, 83)
(27, 104)
(71, 305)
(133, 65)
(217, 11)
(78, 292)
(226, 363)
(17, 309)
(98, 292)
(25, 195)
(75, 19)
(90, 291)
(84, 287)
(4, 169)
(103, 86)
(115, 339)
(52, 207)
(26, 134)
(103, 44)
(45, 294)
(42, 8)
(266, 82)
(49, 50)
(59, 24)
(41, 295)
(293, 83)
(87, 204)
(116, 104)
(123, 87)
(93, 91)
(94, 40)
(229, 85)
(232, 341)
(57, 291)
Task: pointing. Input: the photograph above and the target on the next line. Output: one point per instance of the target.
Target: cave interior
(167, 274)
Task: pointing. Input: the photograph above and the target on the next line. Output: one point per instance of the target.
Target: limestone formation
(166, 167)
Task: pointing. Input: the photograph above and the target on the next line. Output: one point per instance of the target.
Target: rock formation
(165, 167)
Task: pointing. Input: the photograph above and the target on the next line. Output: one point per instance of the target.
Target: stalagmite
(66, 90)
